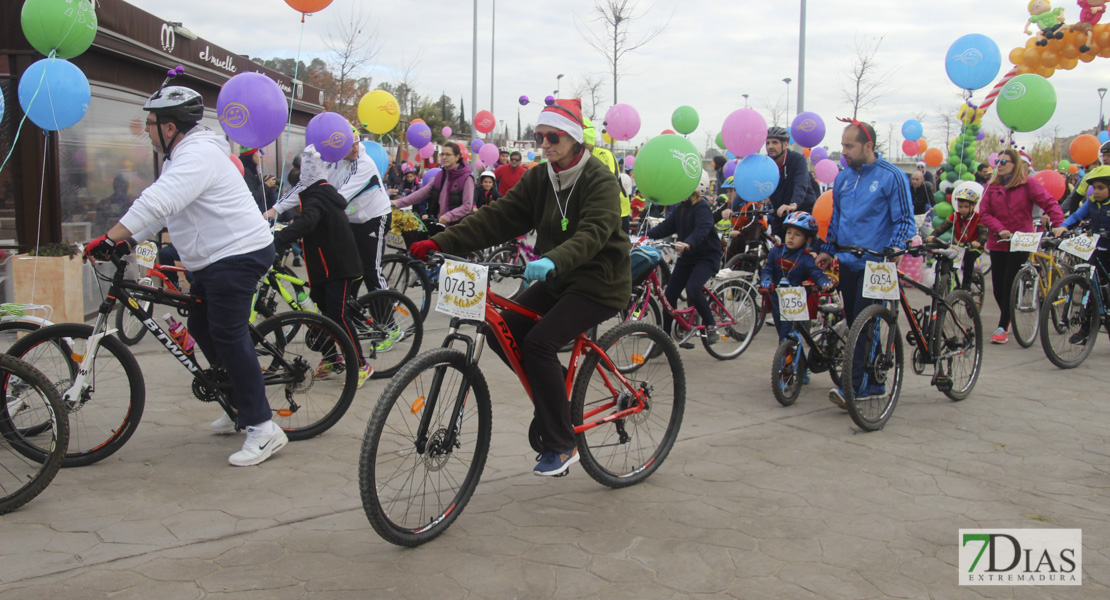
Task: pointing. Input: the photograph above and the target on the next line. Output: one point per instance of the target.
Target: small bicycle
(427, 440)
(947, 334)
(1074, 311)
(824, 336)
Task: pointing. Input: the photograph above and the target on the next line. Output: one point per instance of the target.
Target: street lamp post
(787, 81)
(745, 100)
(558, 84)
(1101, 95)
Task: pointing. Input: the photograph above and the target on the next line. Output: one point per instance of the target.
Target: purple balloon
(331, 134)
(843, 161)
(630, 161)
(744, 132)
(808, 129)
(826, 171)
(523, 100)
(549, 100)
(419, 135)
(489, 153)
(818, 155)
(429, 175)
(622, 122)
(476, 145)
(730, 167)
(252, 109)
(979, 138)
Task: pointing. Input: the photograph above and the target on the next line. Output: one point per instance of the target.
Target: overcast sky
(709, 54)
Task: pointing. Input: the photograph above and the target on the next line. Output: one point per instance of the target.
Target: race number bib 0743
(1025, 242)
(462, 290)
(145, 254)
(1082, 246)
(792, 303)
(880, 281)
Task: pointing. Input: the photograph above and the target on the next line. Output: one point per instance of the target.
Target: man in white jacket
(222, 239)
(358, 180)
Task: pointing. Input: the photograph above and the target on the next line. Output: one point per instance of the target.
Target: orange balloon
(1084, 149)
(822, 211)
(1073, 169)
(418, 121)
(805, 152)
(1045, 72)
(922, 145)
(308, 6)
(1017, 56)
(1049, 59)
(934, 157)
(1070, 52)
(1022, 70)
(1032, 57)
(1068, 63)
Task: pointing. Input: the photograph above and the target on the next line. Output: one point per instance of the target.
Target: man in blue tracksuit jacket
(872, 208)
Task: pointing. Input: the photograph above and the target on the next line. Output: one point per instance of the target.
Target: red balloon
(308, 6)
(669, 131)
(484, 121)
(1053, 181)
(910, 148)
(238, 164)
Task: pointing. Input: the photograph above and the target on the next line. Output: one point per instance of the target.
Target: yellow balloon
(380, 111)
(606, 138)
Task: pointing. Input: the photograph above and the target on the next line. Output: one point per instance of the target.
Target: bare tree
(946, 120)
(589, 90)
(353, 46)
(777, 110)
(613, 40)
(865, 82)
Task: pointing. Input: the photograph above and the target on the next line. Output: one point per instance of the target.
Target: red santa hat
(565, 115)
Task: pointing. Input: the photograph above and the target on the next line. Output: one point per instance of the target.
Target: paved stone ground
(755, 500)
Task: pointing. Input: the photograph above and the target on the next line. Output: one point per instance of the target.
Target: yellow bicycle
(1044, 268)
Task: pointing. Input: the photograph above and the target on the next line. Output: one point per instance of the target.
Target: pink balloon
(993, 160)
(826, 171)
(427, 150)
(446, 131)
(630, 160)
(622, 122)
(744, 132)
(488, 153)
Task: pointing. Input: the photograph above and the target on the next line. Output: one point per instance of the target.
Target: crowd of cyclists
(582, 207)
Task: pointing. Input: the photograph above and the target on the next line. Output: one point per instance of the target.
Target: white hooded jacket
(358, 181)
(203, 201)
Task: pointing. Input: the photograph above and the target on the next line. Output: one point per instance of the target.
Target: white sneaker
(222, 425)
(260, 445)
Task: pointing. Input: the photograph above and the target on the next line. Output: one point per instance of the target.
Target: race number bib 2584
(880, 281)
(792, 303)
(462, 290)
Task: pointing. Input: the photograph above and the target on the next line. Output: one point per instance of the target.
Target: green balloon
(952, 176)
(942, 210)
(954, 159)
(937, 221)
(668, 169)
(961, 168)
(1064, 166)
(939, 197)
(720, 142)
(62, 25)
(684, 119)
(1026, 103)
(968, 177)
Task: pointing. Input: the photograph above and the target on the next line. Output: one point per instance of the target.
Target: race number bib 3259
(792, 303)
(1025, 242)
(880, 281)
(462, 290)
(1082, 246)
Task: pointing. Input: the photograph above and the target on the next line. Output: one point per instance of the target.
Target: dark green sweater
(591, 256)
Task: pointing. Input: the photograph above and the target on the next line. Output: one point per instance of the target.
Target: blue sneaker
(805, 377)
(553, 464)
(837, 397)
(872, 390)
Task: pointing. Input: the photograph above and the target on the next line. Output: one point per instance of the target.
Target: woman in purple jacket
(453, 188)
(1007, 208)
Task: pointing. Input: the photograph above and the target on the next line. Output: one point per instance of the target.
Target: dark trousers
(220, 327)
(331, 297)
(370, 239)
(626, 224)
(539, 341)
(970, 256)
(690, 276)
(851, 288)
(1004, 268)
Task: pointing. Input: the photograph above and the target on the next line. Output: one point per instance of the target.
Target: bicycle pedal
(686, 345)
(942, 382)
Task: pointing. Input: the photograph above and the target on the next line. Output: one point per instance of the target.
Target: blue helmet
(728, 184)
(802, 220)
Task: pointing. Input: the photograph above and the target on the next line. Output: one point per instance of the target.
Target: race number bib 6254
(880, 281)
(145, 254)
(1025, 242)
(462, 290)
(1082, 246)
(792, 303)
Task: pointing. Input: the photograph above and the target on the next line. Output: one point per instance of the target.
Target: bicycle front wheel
(627, 450)
(787, 370)
(872, 374)
(28, 460)
(103, 415)
(1026, 296)
(390, 330)
(310, 370)
(414, 481)
(736, 316)
(1069, 321)
(960, 344)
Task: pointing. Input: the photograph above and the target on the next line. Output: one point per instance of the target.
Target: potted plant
(51, 275)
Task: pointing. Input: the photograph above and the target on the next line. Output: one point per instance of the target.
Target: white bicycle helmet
(179, 102)
(703, 185)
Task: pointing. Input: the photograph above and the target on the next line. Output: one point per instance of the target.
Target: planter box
(58, 282)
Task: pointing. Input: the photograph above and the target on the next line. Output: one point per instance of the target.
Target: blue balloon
(729, 155)
(61, 100)
(756, 177)
(375, 151)
(531, 156)
(1, 108)
(1104, 136)
(912, 130)
(973, 61)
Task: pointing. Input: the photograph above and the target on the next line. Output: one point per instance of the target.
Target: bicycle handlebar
(503, 269)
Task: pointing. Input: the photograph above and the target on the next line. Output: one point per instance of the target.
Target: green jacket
(591, 256)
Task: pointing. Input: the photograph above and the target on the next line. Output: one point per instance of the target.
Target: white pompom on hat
(313, 168)
(565, 115)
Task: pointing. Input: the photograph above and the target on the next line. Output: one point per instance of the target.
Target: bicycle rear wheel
(1026, 296)
(408, 276)
(129, 329)
(390, 330)
(871, 400)
(787, 369)
(1070, 321)
(103, 416)
(28, 461)
(960, 340)
(413, 487)
(295, 350)
(736, 317)
(628, 450)
(506, 287)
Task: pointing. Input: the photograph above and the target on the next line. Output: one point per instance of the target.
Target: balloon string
(38, 228)
(18, 130)
(289, 118)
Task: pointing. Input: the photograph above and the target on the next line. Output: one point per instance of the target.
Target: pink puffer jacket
(1012, 210)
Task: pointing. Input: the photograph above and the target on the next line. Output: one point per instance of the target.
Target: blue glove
(766, 284)
(538, 270)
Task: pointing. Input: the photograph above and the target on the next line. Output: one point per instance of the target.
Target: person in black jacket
(264, 189)
(699, 255)
(794, 192)
(486, 192)
(331, 256)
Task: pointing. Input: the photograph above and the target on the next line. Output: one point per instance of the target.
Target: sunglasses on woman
(1002, 162)
(552, 137)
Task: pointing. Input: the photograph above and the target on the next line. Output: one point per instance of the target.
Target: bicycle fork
(450, 438)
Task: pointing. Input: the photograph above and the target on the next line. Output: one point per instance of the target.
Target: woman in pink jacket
(451, 193)
(1006, 208)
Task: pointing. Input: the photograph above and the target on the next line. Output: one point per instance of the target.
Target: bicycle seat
(831, 309)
